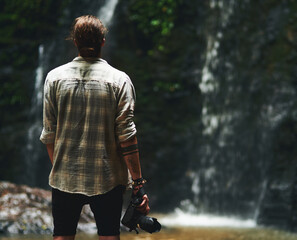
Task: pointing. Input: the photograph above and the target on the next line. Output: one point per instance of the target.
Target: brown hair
(88, 33)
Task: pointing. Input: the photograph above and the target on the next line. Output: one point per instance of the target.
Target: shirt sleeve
(125, 127)
(49, 114)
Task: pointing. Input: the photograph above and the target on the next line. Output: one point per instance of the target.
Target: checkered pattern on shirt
(88, 109)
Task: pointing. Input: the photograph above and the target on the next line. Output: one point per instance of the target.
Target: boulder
(26, 210)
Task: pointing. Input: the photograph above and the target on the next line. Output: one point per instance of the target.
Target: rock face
(279, 205)
(25, 210)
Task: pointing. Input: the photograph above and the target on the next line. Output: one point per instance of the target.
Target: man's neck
(99, 56)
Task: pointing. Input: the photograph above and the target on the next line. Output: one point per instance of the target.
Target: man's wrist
(138, 182)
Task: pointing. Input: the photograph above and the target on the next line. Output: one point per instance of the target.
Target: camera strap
(141, 192)
(136, 199)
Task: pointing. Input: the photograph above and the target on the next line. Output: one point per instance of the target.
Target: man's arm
(131, 157)
(50, 151)
(49, 119)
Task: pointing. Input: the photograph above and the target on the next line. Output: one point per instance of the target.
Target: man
(90, 136)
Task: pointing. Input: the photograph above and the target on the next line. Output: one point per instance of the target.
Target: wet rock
(25, 210)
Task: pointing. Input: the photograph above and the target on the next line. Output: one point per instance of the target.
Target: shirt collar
(88, 59)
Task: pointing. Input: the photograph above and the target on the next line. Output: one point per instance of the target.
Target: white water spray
(37, 94)
(180, 218)
(31, 153)
(209, 83)
(36, 99)
(105, 14)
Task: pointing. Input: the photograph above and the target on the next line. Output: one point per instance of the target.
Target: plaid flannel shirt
(88, 109)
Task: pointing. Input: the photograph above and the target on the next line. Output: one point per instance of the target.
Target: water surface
(186, 233)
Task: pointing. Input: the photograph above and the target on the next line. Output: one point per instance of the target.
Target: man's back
(89, 104)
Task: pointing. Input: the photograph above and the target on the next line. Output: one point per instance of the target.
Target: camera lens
(149, 224)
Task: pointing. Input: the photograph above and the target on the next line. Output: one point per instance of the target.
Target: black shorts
(107, 209)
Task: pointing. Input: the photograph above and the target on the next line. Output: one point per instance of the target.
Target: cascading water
(37, 95)
(105, 13)
(32, 153)
(211, 177)
(209, 86)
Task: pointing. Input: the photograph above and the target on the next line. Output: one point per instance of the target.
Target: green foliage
(158, 49)
(28, 20)
(24, 24)
(11, 94)
(155, 19)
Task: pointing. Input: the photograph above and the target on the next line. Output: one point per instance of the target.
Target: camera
(134, 219)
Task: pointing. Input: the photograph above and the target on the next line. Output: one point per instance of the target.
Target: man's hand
(50, 150)
(144, 206)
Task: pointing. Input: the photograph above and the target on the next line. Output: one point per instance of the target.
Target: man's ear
(103, 42)
(75, 42)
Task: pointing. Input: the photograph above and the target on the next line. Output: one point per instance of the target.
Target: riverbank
(25, 214)
(185, 233)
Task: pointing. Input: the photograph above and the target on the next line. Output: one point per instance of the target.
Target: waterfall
(214, 175)
(209, 85)
(32, 152)
(37, 95)
(105, 14)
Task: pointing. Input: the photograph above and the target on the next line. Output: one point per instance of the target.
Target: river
(186, 233)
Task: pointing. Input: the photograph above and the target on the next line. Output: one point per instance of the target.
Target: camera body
(134, 219)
